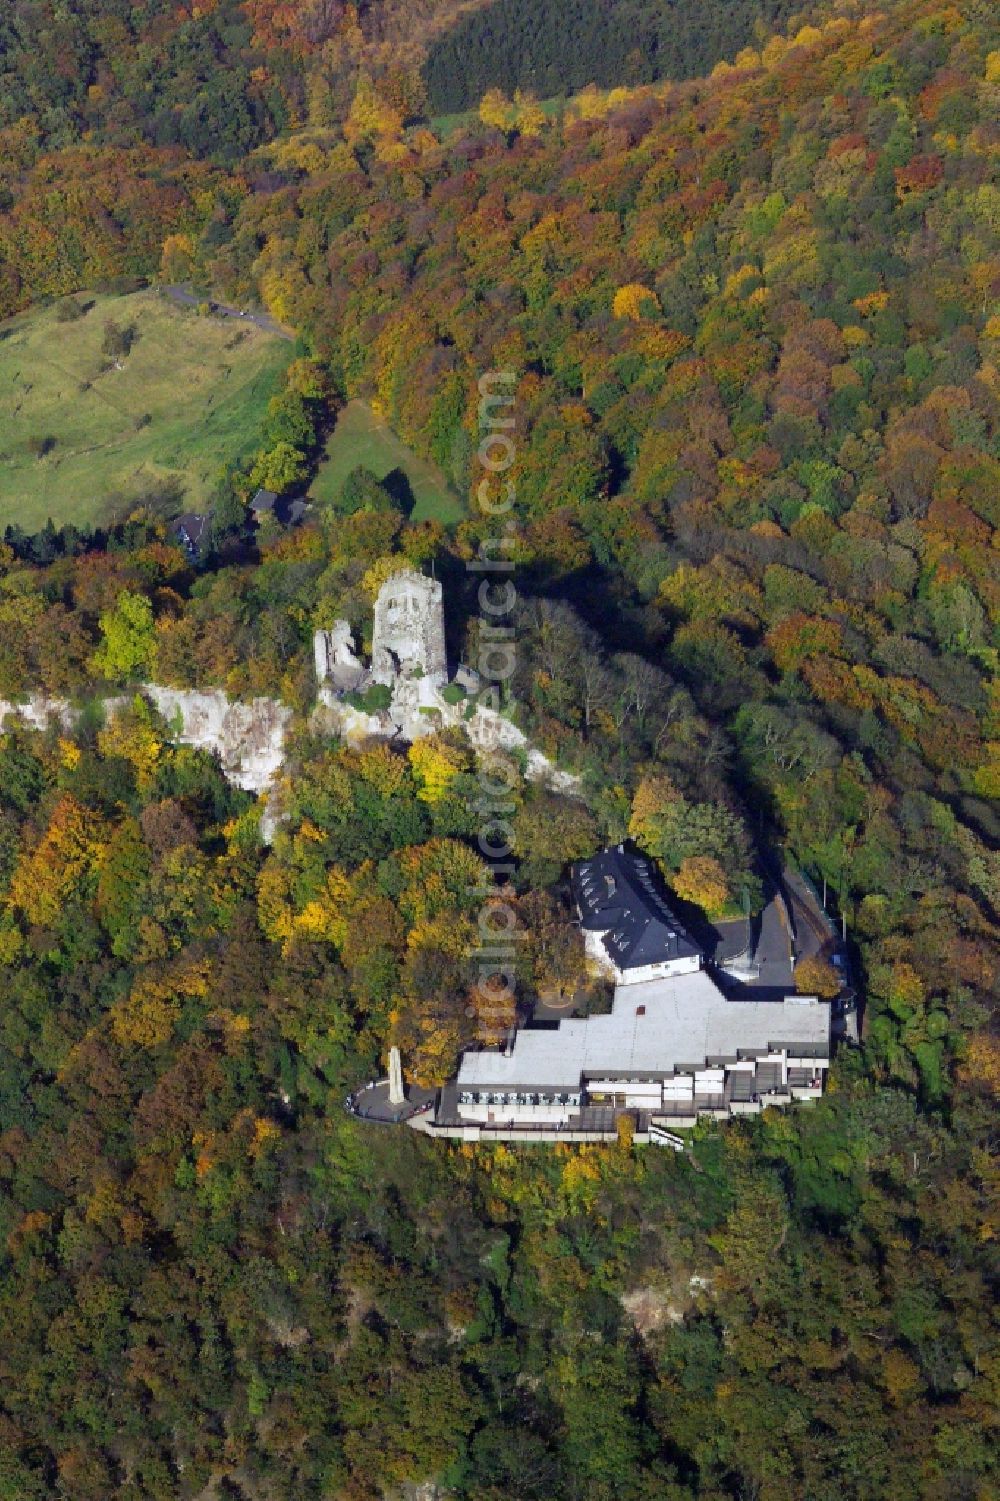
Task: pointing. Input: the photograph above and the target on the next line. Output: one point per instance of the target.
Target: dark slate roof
(263, 501)
(190, 527)
(619, 894)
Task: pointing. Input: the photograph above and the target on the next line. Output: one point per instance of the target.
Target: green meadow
(361, 437)
(81, 439)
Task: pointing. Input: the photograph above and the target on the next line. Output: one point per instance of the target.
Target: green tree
(128, 646)
(280, 468)
(363, 491)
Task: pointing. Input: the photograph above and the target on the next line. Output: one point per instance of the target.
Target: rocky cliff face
(248, 738)
(38, 712)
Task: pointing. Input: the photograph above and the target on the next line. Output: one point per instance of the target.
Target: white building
(628, 926)
(674, 1046)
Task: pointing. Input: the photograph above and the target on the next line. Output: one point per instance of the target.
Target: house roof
(619, 895)
(655, 1028)
(264, 500)
(191, 527)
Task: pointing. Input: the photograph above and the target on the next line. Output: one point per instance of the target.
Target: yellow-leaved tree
(71, 847)
(381, 768)
(436, 763)
(653, 796)
(635, 301)
(980, 1062)
(435, 1057)
(702, 880)
(445, 933)
(176, 258)
(442, 875)
(147, 1016)
(529, 117)
(275, 912)
(371, 116)
(497, 110)
(814, 976)
(131, 735)
(324, 916)
(381, 570)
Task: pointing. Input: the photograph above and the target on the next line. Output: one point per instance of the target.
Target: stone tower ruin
(408, 637)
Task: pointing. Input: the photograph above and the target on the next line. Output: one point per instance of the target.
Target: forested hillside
(152, 72)
(754, 326)
(553, 47)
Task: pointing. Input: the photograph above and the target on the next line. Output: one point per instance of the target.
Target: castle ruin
(408, 656)
(408, 638)
(336, 664)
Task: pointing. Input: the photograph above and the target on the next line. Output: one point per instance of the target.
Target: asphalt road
(220, 310)
(774, 950)
(816, 934)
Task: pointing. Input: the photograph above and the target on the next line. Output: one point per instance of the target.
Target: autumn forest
(743, 265)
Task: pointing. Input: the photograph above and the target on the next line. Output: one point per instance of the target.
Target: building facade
(675, 1045)
(629, 929)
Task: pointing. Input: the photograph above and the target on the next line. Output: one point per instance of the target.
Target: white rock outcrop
(38, 712)
(248, 738)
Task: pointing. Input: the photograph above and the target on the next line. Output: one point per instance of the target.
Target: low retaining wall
(489, 1133)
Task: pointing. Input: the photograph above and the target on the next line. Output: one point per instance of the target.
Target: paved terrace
(371, 1103)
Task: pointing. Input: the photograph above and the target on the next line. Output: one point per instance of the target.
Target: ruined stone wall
(337, 667)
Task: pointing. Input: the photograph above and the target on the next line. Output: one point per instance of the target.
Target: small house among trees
(263, 504)
(285, 510)
(191, 531)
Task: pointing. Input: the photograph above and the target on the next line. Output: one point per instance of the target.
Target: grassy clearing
(444, 126)
(361, 437)
(191, 396)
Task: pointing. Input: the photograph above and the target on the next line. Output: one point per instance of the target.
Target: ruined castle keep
(408, 657)
(408, 638)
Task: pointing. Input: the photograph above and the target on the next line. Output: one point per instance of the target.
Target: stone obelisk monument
(396, 1095)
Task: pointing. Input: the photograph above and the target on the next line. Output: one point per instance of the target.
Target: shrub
(117, 340)
(376, 698)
